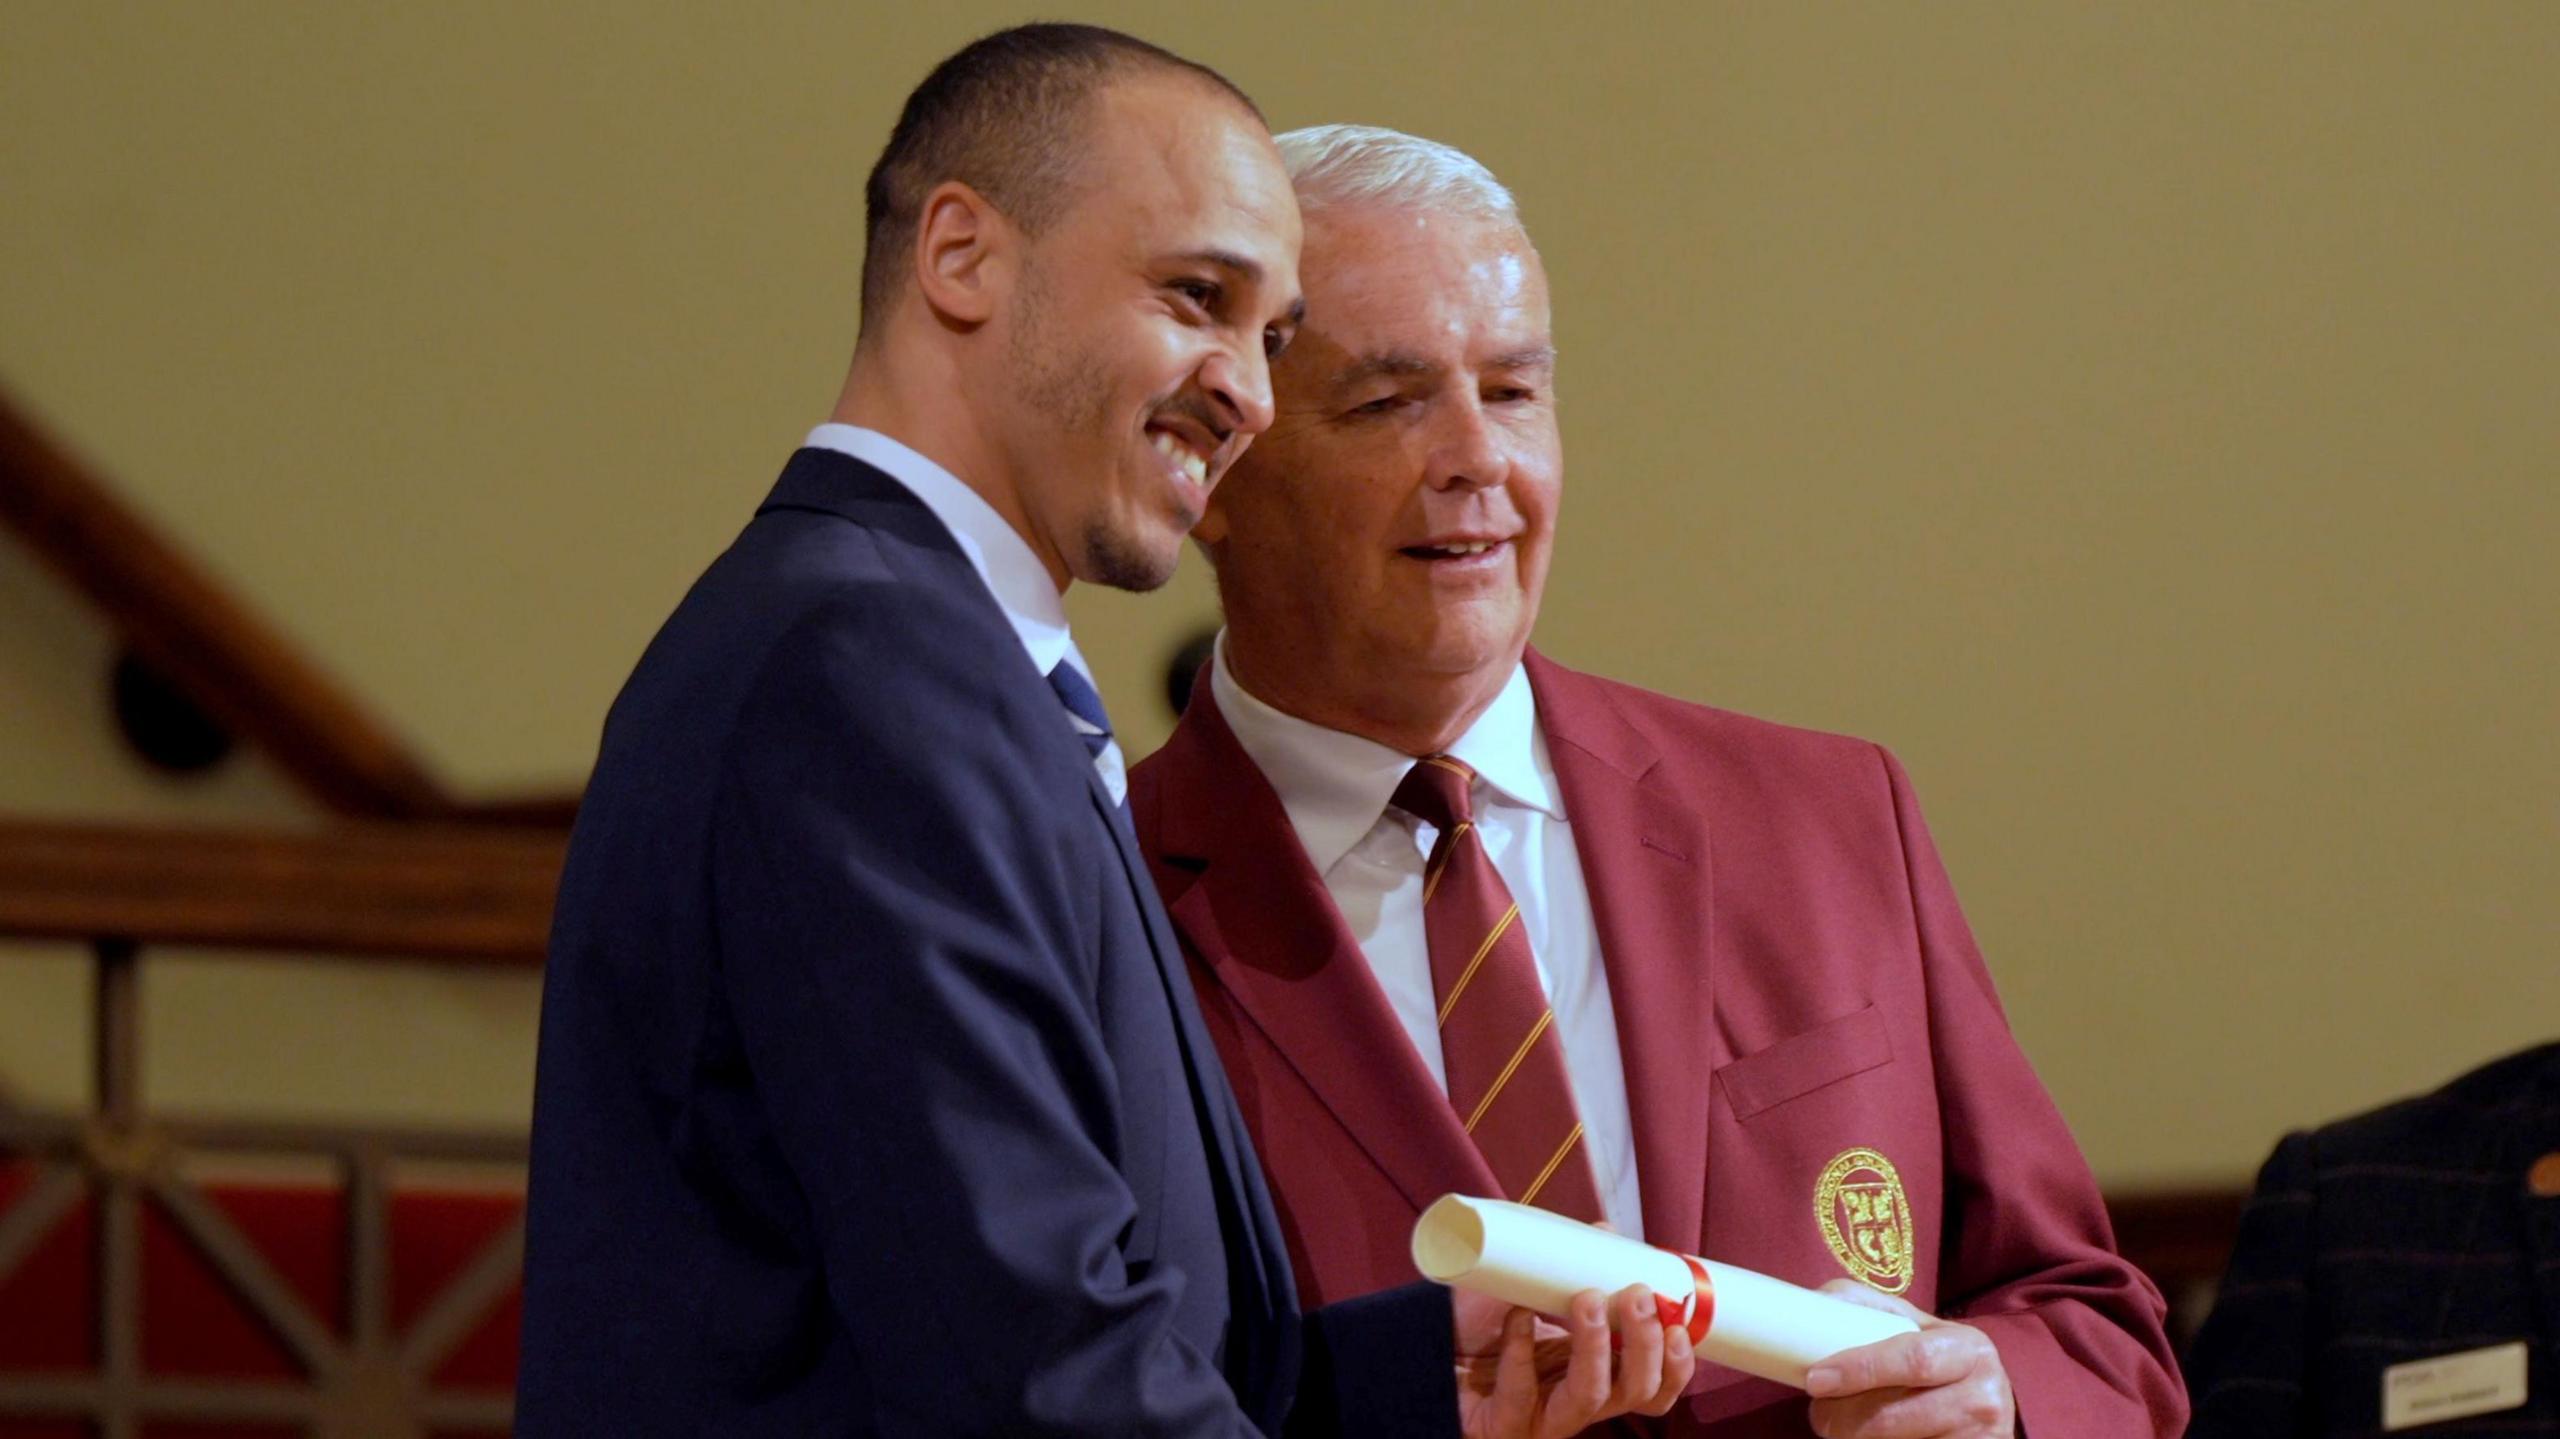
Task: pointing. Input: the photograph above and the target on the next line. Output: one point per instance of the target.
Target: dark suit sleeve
(898, 901)
(1379, 1365)
(2029, 1255)
(2247, 1369)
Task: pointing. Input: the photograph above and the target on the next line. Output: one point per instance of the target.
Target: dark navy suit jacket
(872, 1095)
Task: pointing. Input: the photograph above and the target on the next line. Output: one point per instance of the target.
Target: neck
(912, 398)
(1416, 714)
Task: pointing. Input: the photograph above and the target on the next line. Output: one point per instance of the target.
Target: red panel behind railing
(194, 1325)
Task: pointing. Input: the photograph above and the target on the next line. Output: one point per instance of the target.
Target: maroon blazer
(1822, 1080)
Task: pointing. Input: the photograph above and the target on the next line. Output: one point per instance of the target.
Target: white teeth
(1181, 456)
(1474, 549)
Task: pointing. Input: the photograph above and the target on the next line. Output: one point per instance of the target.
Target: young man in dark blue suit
(872, 1097)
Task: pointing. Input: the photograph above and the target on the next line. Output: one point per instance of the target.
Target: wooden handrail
(236, 667)
(423, 891)
(484, 893)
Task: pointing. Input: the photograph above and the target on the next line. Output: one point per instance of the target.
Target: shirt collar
(1015, 576)
(1335, 785)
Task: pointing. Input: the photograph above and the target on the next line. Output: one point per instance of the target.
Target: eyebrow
(1394, 364)
(1244, 265)
(1246, 268)
(1404, 365)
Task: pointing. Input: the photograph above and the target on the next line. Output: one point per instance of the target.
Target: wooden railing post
(117, 1147)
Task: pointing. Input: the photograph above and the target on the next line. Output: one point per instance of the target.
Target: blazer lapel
(1258, 1276)
(1645, 859)
(1261, 926)
(1261, 1342)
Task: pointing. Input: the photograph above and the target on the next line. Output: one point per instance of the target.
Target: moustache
(1197, 409)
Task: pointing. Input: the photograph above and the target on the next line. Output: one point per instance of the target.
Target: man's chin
(1124, 561)
(1483, 648)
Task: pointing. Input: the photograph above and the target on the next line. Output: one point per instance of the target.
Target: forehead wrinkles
(1402, 282)
(1386, 300)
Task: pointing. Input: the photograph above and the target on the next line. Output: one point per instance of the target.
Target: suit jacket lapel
(1645, 859)
(1261, 927)
(834, 483)
(1258, 1277)
(1261, 1343)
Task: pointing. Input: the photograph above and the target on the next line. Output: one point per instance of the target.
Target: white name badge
(2457, 1386)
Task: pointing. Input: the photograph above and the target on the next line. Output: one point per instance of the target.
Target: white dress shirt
(1002, 558)
(1336, 786)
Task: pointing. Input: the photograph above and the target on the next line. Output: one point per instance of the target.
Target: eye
(1203, 294)
(1275, 340)
(1384, 404)
(1510, 394)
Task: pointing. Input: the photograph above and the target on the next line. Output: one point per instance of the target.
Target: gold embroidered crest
(1866, 1220)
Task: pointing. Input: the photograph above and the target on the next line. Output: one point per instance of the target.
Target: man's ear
(964, 254)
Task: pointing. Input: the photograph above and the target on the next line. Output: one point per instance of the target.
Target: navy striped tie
(1093, 725)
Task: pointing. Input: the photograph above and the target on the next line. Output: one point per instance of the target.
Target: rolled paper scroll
(1735, 1317)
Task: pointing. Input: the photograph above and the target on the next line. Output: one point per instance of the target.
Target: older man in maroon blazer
(1462, 919)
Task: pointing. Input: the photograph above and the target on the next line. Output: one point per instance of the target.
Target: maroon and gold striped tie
(1507, 1078)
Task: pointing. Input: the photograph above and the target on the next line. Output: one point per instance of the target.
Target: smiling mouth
(1456, 550)
(1193, 465)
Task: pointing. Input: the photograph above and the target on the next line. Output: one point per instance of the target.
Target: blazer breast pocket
(1802, 1063)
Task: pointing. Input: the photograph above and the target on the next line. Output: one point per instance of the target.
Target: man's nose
(1467, 452)
(1239, 379)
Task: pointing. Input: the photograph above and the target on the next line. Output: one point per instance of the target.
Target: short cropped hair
(1006, 115)
(1345, 165)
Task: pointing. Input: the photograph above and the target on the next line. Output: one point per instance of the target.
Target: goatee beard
(1113, 559)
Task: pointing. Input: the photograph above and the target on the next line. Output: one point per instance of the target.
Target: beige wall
(2141, 417)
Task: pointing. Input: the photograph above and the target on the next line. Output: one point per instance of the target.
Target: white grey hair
(1367, 165)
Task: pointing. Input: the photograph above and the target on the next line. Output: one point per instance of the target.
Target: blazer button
(2544, 1178)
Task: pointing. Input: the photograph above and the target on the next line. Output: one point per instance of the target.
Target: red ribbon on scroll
(1697, 1313)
